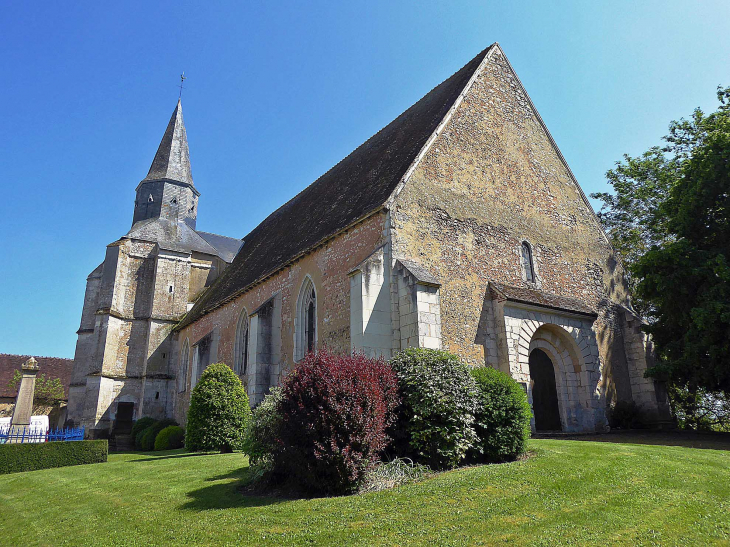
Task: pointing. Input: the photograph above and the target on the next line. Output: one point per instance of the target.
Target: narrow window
(305, 327)
(527, 263)
(310, 325)
(182, 374)
(240, 363)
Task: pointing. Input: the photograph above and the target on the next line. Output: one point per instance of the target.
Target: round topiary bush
(141, 425)
(139, 434)
(219, 411)
(436, 417)
(170, 438)
(262, 433)
(334, 415)
(149, 435)
(147, 439)
(502, 416)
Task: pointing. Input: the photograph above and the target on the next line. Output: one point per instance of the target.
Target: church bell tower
(167, 192)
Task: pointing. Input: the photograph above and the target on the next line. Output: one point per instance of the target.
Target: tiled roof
(52, 367)
(357, 186)
(542, 299)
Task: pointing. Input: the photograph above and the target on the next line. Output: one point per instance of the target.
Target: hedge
(15, 458)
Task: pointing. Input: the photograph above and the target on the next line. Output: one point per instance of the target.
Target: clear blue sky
(277, 94)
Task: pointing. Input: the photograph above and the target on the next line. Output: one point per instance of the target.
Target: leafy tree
(669, 219)
(687, 278)
(48, 391)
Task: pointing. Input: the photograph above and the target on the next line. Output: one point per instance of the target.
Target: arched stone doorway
(544, 392)
(568, 352)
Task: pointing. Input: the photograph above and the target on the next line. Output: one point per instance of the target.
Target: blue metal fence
(38, 435)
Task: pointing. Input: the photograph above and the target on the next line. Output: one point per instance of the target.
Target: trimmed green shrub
(15, 458)
(259, 441)
(335, 411)
(219, 411)
(170, 438)
(502, 416)
(141, 425)
(147, 440)
(138, 438)
(149, 435)
(436, 416)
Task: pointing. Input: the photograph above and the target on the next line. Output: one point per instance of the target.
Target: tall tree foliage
(669, 219)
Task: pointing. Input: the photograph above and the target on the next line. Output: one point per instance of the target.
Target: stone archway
(569, 366)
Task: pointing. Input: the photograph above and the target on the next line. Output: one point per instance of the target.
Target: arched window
(527, 263)
(182, 374)
(305, 327)
(240, 360)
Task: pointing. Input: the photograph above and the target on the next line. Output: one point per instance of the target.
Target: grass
(569, 492)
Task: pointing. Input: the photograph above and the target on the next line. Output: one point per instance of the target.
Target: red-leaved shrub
(335, 410)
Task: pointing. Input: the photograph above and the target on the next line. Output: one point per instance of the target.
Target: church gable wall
(328, 267)
(491, 180)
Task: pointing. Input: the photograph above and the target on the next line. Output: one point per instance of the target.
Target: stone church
(458, 226)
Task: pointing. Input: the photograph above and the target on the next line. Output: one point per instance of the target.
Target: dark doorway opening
(125, 412)
(544, 392)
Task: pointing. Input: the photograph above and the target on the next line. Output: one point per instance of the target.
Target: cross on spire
(182, 79)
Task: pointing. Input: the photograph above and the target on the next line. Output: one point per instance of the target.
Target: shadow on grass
(154, 458)
(226, 494)
(688, 439)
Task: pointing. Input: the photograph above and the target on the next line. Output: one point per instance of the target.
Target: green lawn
(569, 492)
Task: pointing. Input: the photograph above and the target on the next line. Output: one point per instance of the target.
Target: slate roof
(421, 274)
(357, 186)
(227, 247)
(172, 160)
(171, 235)
(52, 367)
(543, 299)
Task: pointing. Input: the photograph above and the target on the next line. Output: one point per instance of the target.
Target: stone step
(121, 442)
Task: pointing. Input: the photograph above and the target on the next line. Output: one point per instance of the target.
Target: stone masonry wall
(328, 266)
(491, 180)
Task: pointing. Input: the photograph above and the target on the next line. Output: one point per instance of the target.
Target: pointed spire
(172, 161)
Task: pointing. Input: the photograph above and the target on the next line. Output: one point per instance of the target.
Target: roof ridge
(34, 356)
(485, 51)
(353, 189)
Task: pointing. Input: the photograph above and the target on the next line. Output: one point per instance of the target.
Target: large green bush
(170, 438)
(436, 417)
(502, 416)
(150, 434)
(219, 411)
(260, 439)
(141, 425)
(31, 456)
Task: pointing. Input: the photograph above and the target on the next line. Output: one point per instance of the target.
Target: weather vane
(182, 79)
